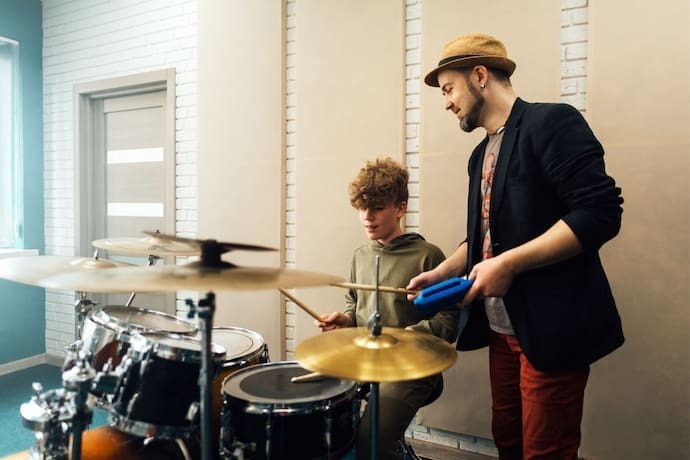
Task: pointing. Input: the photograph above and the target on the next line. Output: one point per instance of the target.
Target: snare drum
(266, 416)
(157, 394)
(107, 331)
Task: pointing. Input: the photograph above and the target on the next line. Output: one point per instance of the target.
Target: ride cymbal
(354, 353)
(32, 269)
(192, 277)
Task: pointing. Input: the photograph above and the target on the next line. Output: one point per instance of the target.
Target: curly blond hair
(379, 183)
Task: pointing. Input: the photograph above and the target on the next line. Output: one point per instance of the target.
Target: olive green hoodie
(401, 260)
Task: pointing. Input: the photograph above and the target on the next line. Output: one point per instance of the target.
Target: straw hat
(470, 50)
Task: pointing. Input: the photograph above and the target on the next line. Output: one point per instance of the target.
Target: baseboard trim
(55, 360)
(439, 452)
(21, 364)
(31, 361)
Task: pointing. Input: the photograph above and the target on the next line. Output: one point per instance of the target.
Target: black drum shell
(286, 427)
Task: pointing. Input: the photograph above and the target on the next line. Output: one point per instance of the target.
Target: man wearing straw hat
(540, 207)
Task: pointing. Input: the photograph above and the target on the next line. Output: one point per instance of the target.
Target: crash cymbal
(161, 244)
(192, 277)
(395, 355)
(150, 246)
(220, 247)
(32, 269)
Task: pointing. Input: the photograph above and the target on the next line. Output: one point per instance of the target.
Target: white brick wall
(574, 53)
(413, 73)
(85, 40)
(291, 172)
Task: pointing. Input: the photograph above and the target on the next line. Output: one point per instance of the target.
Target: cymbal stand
(81, 307)
(151, 261)
(211, 252)
(205, 310)
(78, 379)
(375, 326)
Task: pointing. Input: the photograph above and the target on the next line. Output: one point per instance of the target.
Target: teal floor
(15, 389)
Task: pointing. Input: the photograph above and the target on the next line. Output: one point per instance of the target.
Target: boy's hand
(335, 320)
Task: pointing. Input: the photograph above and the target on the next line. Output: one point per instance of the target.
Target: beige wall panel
(637, 402)
(531, 32)
(240, 147)
(350, 109)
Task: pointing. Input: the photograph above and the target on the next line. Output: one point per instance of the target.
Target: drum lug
(269, 431)
(329, 429)
(105, 383)
(132, 403)
(192, 411)
(121, 349)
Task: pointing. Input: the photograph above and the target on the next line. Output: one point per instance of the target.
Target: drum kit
(174, 388)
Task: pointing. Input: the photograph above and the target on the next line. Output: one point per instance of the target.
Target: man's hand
(491, 278)
(423, 280)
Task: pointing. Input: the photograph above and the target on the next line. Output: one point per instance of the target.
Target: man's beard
(471, 121)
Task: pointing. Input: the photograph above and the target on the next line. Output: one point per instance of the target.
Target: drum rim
(145, 342)
(148, 429)
(236, 359)
(120, 326)
(257, 404)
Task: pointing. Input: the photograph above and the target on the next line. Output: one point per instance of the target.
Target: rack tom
(107, 331)
(158, 393)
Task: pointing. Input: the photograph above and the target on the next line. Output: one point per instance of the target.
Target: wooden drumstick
(311, 312)
(369, 287)
(307, 377)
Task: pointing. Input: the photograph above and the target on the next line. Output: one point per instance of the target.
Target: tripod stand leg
(374, 401)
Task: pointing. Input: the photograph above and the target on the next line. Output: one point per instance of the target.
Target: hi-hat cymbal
(32, 269)
(150, 246)
(395, 355)
(191, 277)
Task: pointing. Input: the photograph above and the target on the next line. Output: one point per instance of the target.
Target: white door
(133, 181)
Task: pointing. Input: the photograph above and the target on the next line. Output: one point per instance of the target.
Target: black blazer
(550, 167)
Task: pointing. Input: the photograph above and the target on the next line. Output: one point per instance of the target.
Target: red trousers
(536, 415)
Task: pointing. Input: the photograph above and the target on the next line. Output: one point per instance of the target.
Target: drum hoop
(146, 429)
(257, 339)
(302, 407)
(260, 355)
(268, 405)
(101, 317)
(172, 353)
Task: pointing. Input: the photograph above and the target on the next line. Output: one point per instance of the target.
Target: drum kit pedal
(170, 385)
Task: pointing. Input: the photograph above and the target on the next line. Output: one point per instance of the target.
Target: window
(10, 143)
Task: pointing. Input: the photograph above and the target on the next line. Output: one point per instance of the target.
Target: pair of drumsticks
(364, 287)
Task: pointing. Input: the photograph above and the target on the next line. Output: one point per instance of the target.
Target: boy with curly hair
(379, 193)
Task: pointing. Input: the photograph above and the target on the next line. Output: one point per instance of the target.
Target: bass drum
(266, 416)
(107, 331)
(107, 443)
